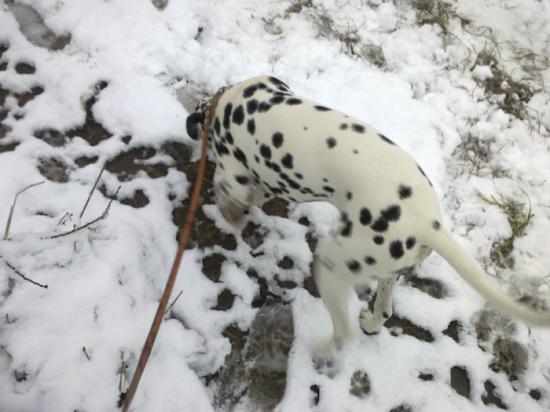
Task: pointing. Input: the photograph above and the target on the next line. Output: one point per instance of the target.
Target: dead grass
(437, 13)
(509, 95)
(519, 216)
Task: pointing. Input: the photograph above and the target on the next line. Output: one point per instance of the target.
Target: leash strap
(185, 234)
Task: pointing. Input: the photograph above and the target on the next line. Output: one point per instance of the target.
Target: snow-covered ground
(461, 85)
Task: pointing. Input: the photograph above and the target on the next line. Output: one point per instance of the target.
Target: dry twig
(10, 215)
(92, 190)
(17, 272)
(91, 222)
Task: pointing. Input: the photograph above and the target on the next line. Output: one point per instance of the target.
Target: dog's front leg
(372, 322)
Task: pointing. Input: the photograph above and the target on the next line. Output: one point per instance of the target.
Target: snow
(104, 283)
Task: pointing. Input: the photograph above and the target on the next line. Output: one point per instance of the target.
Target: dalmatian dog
(269, 142)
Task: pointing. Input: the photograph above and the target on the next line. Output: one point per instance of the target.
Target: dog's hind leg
(372, 322)
(335, 294)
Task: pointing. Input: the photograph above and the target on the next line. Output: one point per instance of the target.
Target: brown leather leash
(185, 234)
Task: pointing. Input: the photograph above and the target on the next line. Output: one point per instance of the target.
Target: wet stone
(7, 147)
(490, 397)
(137, 200)
(426, 376)
(180, 152)
(33, 27)
(276, 207)
(453, 330)
(24, 98)
(53, 169)
(491, 322)
(460, 381)
(51, 136)
(510, 357)
(535, 394)
(225, 300)
(91, 131)
(432, 287)
(3, 48)
(24, 68)
(20, 375)
(401, 408)
(212, 266)
(84, 161)
(286, 263)
(253, 235)
(360, 384)
(255, 372)
(3, 94)
(127, 164)
(316, 394)
(408, 328)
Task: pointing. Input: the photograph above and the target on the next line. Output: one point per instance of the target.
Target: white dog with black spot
(269, 142)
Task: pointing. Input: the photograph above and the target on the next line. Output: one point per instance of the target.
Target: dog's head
(195, 120)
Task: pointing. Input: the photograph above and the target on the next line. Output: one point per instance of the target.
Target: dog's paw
(369, 323)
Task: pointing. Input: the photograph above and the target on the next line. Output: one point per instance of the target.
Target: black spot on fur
(369, 260)
(378, 240)
(321, 108)
(293, 101)
(278, 83)
(436, 225)
(380, 225)
(277, 139)
(331, 142)
(217, 126)
(384, 138)
(251, 126)
(299, 175)
(346, 230)
(411, 241)
(264, 107)
(256, 158)
(354, 266)
(349, 195)
(359, 128)
(251, 106)
(240, 156)
(392, 213)
(250, 90)
(229, 137)
(344, 126)
(328, 189)
(238, 115)
(243, 180)
(287, 161)
(276, 100)
(227, 115)
(404, 191)
(221, 149)
(396, 249)
(365, 216)
(355, 151)
(265, 151)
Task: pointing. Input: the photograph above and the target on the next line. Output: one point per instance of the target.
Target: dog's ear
(194, 124)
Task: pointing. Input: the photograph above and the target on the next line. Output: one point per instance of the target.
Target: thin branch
(86, 353)
(93, 189)
(17, 272)
(91, 222)
(173, 302)
(10, 215)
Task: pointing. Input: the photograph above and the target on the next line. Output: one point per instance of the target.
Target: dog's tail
(447, 247)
